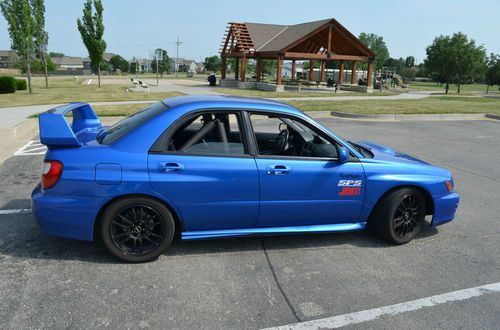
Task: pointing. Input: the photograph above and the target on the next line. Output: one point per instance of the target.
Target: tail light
(51, 172)
(449, 186)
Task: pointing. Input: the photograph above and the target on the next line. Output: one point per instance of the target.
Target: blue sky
(134, 27)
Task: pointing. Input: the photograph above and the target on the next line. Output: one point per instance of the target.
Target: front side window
(209, 133)
(284, 136)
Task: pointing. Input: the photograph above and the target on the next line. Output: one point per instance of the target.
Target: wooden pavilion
(323, 41)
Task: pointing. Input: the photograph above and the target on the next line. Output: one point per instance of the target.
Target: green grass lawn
(264, 94)
(464, 89)
(438, 104)
(62, 90)
(119, 110)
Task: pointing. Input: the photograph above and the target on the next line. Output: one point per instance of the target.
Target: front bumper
(66, 216)
(444, 209)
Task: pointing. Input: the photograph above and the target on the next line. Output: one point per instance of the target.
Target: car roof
(192, 102)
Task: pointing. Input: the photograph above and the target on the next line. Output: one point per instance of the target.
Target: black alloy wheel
(137, 229)
(399, 215)
(405, 221)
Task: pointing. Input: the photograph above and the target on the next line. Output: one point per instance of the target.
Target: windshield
(126, 125)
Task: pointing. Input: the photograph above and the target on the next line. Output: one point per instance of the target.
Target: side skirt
(339, 227)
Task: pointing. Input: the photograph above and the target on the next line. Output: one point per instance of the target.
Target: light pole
(177, 43)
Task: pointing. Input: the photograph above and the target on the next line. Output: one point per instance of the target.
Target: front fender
(379, 184)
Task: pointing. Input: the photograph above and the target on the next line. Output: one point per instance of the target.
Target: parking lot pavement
(48, 282)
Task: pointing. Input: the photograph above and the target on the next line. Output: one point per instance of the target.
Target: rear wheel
(399, 215)
(137, 229)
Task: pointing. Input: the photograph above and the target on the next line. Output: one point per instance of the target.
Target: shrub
(7, 85)
(21, 84)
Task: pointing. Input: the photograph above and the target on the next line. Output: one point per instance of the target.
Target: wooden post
(341, 73)
(354, 74)
(223, 67)
(369, 78)
(279, 70)
(323, 70)
(243, 67)
(329, 47)
(258, 69)
(311, 70)
(236, 68)
(294, 70)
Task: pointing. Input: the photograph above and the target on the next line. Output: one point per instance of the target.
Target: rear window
(126, 125)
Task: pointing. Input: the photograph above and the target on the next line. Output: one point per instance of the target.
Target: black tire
(399, 216)
(137, 229)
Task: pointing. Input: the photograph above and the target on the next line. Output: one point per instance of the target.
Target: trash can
(212, 79)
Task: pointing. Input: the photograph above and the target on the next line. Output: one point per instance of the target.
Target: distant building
(68, 65)
(184, 65)
(87, 68)
(287, 69)
(8, 59)
(200, 67)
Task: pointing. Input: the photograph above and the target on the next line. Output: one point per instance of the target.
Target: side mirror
(343, 155)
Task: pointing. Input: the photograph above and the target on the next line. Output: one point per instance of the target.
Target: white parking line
(372, 314)
(89, 81)
(15, 211)
(31, 148)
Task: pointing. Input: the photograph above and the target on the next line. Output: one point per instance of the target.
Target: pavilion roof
(309, 37)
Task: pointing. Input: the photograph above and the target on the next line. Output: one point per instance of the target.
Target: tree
(134, 65)
(38, 67)
(493, 72)
(307, 64)
(410, 62)
(393, 63)
(41, 36)
(269, 66)
(212, 63)
(408, 72)
(18, 14)
(377, 45)
(455, 59)
(91, 28)
(56, 54)
(119, 63)
(163, 62)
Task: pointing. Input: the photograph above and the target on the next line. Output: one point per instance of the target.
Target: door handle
(169, 167)
(278, 169)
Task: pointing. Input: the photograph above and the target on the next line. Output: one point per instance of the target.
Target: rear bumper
(444, 209)
(66, 216)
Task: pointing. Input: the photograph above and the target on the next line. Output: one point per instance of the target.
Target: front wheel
(400, 215)
(137, 229)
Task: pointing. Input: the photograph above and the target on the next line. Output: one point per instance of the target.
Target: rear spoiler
(56, 132)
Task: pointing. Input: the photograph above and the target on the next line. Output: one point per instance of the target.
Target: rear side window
(216, 133)
(126, 125)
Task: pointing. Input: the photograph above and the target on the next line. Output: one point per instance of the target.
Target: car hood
(381, 152)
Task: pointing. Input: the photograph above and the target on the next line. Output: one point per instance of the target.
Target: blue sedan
(206, 167)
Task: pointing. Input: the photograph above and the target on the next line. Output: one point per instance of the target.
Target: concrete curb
(412, 117)
(13, 138)
(491, 116)
(25, 127)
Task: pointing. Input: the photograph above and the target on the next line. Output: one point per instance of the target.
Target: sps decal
(350, 187)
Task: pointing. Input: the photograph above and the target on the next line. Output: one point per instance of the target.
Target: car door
(304, 184)
(206, 172)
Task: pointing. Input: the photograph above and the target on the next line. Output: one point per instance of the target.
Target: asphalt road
(48, 282)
